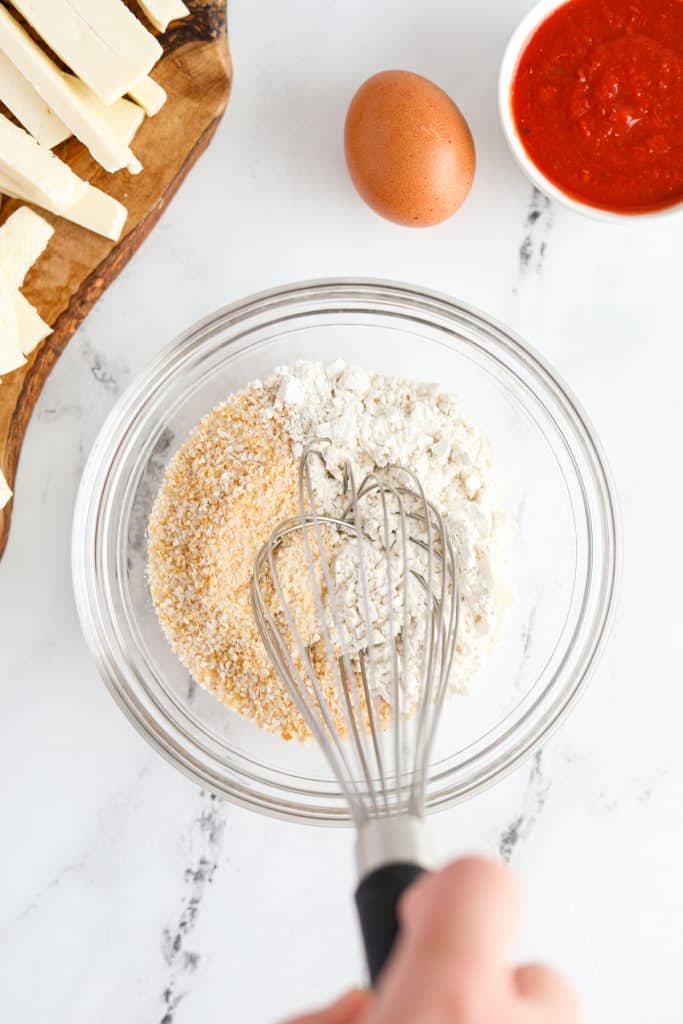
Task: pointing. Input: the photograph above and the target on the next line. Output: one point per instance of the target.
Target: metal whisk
(368, 673)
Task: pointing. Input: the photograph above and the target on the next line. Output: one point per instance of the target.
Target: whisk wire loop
(347, 695)
(320, 722)
(350, 675)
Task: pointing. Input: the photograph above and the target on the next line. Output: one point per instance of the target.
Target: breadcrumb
(229, 483)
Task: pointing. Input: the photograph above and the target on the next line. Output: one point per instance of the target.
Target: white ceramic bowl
(513, 51)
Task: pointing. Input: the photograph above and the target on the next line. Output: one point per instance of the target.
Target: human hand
(452, 964)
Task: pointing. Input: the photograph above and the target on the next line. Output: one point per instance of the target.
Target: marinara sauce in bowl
(591, 99)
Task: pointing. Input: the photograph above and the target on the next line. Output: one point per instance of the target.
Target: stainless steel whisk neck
(404, 839)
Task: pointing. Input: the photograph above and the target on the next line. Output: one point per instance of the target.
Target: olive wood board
(78, 265)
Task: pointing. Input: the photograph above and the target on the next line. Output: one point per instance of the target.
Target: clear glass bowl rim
(328, 295)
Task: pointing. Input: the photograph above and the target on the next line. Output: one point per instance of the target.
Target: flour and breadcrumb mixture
(235, 478)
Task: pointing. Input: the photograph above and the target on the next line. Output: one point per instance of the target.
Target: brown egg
(409, 150)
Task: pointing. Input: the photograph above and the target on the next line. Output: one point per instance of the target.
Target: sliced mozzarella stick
(61, 96)
(149, 94)
(124, 34)
(11, 356)
(95, 211)
(23, 237)
(162, 12)
(100, 213)
(110, 58)
(36, 167)
(5, 490)
(30, 325)
(123, 117)
(28, 106)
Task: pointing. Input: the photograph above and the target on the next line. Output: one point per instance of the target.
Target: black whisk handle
(377, 899)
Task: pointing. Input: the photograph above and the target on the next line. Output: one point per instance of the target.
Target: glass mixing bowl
(554, 484)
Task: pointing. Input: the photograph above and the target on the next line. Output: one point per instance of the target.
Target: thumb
(345, 1010)
(457, 930)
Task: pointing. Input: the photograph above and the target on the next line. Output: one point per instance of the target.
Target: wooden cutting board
(77, 266)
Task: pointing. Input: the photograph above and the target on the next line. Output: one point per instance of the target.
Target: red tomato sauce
(597, 100)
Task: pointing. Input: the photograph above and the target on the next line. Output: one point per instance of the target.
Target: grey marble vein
(88, 849)
(522, 824)
(537, 225)
(52, 413)
(527, 638)
(205, 843)
(36, 904)
(103, 373)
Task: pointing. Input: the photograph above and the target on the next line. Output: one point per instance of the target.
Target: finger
(345, 1010)
(457, 929)
(547, 990)
(470, 909)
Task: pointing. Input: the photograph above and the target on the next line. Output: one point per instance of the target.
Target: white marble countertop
(129, 895)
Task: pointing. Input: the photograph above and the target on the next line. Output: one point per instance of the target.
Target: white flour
(374, 422)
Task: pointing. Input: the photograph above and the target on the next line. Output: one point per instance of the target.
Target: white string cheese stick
(17, 93)
(59, 93)
(23, 238)
(100, 40)
(36, 167)
(123, 117)
(162, 12)
(31, 326)
(29, 107)
(149, 94)
(5, 490)
(95, 211)
(11, 356)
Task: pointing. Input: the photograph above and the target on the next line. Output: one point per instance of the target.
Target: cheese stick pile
(101, 100)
